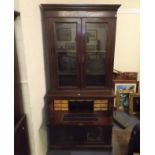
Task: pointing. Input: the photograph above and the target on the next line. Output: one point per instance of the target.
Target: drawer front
(64, 105)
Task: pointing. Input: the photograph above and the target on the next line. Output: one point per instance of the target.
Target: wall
(23, 74)
(30, 48)
(127, 42)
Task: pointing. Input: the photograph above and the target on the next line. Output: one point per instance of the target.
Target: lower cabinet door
(74, 136)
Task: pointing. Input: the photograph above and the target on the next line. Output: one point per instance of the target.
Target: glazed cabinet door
(98, 50)
(81, 52)
(65, 40)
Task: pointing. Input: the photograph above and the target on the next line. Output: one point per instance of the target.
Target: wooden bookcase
(79, 42)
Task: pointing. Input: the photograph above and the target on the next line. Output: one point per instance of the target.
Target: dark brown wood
(56, 118)
(82, 94)
(57, 127)
(88, 7)
(78, 138)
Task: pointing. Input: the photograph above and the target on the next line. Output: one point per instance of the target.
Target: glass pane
(67, 63)
(95, 53)
(66, 53)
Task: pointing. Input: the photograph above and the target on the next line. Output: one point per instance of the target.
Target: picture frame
(91, 47)
(120, 85)
(135, 104)
(123, 99)
(70, 46)
(92, 34)
(66, 46)
(125, 85)
(64, 34)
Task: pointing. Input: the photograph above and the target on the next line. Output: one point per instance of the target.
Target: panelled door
(65, 52)
(97, 51)
(81, 52)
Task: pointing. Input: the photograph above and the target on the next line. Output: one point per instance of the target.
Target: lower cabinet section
(79, 137)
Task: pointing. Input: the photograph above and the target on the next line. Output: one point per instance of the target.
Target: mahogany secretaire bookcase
(79, 43)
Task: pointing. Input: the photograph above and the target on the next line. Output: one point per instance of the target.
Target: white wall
(30, 48)
(16, 5)
(127, 42)
(23, 77)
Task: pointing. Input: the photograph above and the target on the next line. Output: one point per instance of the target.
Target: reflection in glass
(95, 63)
(66, 53)
(95, 53)
(67, 63)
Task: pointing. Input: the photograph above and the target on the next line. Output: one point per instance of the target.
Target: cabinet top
(74, 7)
(85, 10)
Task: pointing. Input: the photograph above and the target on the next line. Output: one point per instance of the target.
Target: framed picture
(135, 104)
(123, 101)
(91, 47)
(126, 85)
(64, 34)
(92, 34)
(70, 46)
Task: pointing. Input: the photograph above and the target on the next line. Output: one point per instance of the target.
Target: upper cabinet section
(79, 46)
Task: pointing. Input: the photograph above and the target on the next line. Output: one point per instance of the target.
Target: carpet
(125, 120)
(121, 139)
